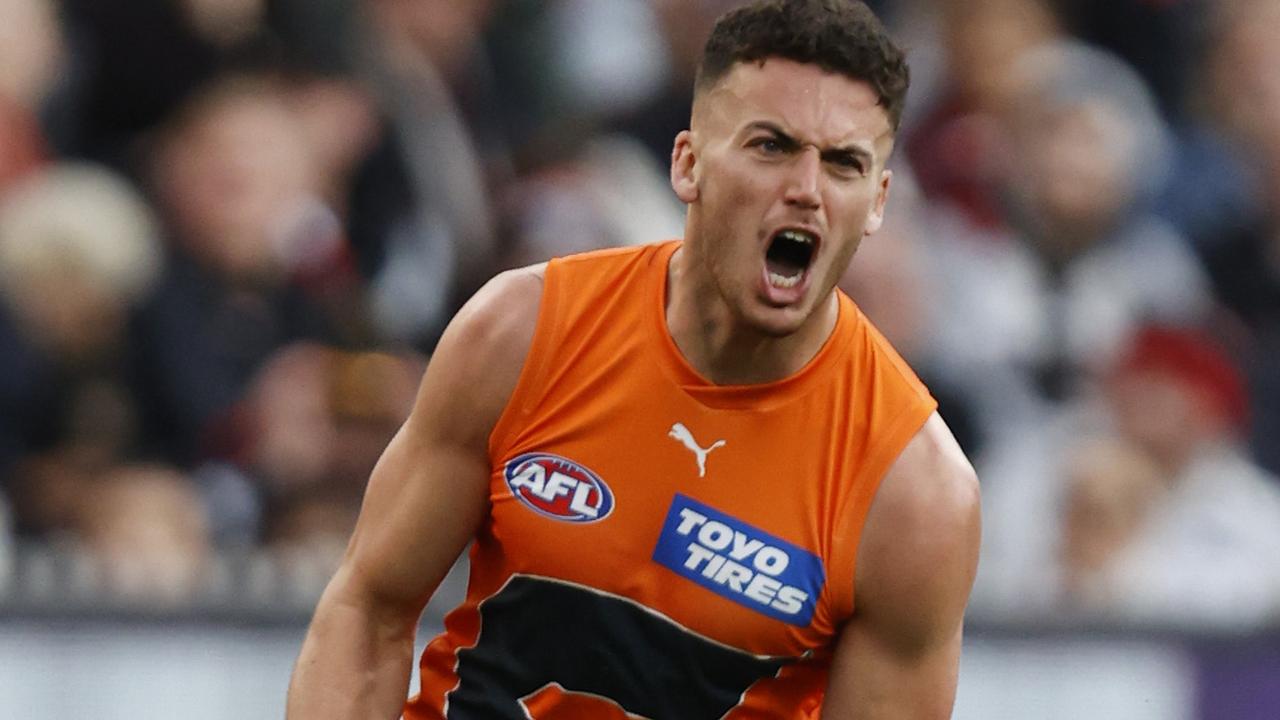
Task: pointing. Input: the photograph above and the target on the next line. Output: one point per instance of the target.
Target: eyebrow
(827, 154)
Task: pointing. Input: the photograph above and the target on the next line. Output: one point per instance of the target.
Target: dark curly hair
(840, 36)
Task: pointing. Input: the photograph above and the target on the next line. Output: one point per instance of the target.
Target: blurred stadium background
(232, 230)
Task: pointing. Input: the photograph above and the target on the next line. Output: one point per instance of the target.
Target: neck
(720, 346)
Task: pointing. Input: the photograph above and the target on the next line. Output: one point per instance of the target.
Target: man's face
(783, 172)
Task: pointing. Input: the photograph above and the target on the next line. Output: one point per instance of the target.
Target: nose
(803, 180)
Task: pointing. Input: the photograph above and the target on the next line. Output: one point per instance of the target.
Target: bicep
(429, 490)
(875, 677)
(423, 502)
(898, 656)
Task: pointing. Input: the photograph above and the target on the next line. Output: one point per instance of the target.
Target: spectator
(145, 529)
(292, 468)
(956, 146)
(126, 82)
(1169, 523)
(31, 59)
(1032, 318)
(1209, 553)
(257, 258)
(78, 251)
(1111, 488)
(1243, 104)
(421, 218)
(1242, 248)
(1107, 263)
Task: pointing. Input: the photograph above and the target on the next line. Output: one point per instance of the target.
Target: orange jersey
(659, 546)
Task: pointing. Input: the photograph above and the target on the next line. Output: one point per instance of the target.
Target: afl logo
(558, 488)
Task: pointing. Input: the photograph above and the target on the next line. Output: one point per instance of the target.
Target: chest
(720, 519)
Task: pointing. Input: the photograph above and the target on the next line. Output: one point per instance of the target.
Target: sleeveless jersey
(659, 546)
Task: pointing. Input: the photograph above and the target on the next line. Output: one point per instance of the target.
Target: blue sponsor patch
(740, 562)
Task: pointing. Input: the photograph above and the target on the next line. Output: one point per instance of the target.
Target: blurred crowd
(232, 230)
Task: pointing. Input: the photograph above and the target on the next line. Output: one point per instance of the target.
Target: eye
(768, 145)
(846, 163)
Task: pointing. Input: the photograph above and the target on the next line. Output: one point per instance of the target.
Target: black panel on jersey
(535, 632)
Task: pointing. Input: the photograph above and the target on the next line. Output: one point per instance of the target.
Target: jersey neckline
(756, 396)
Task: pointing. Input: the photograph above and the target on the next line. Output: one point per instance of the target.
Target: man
(699, 483)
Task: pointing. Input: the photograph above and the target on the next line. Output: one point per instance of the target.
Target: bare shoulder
(502, 315)
(931, 485)
(919, 548)
(477, 363)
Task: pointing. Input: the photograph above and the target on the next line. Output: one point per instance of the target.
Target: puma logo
(681, 433)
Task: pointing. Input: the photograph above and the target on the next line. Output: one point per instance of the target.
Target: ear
(876, 217)
(683, 165)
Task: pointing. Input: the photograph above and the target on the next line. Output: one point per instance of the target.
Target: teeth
(782, 281)
(797, 236)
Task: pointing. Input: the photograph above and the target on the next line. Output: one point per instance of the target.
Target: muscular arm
(898, 657)
(426, 496)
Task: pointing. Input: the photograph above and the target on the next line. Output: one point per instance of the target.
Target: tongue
(780, 266)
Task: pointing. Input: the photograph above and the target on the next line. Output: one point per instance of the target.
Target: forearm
(354, 663)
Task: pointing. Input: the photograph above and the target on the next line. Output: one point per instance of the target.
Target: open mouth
(788, 257)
